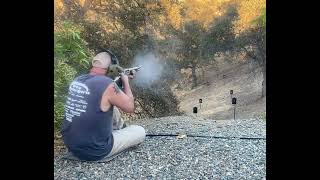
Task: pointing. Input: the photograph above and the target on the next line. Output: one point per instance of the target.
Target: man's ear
(96, 63)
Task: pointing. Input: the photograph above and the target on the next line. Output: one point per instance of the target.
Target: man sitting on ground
(91, 130)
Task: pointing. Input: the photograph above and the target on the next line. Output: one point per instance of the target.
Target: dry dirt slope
(243, 78)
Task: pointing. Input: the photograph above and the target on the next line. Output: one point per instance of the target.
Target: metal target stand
(195, 110)
(234, 102)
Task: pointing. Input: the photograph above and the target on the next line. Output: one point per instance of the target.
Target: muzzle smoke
(150, 72)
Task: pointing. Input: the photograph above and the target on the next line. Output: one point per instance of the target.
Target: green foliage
(220, 36)
(58, 114)
(155, 101)
(197, 44)
(253, 40)
(72, 44)
(262, 116)
(71, 57)
(70, 47)
(183, 37)
(262, 19)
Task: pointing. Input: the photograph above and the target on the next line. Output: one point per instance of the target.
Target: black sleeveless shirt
(86, 130)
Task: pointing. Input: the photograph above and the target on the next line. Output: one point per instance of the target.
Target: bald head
(102, 60)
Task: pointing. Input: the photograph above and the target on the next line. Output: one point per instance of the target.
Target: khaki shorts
(124, 138)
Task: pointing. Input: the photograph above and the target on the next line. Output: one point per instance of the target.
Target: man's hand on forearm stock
(126, 86)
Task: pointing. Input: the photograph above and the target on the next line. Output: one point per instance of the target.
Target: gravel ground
(199, 126)
(187, 158)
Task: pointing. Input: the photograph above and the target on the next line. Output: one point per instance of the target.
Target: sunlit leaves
(249, 10)
(71, 56)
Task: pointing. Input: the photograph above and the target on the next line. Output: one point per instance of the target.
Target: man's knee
(139, 131)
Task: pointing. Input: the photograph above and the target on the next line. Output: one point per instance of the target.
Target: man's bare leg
(117, 121)
(125, 136)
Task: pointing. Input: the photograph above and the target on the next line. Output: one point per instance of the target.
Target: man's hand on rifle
(125, 77)
(132, 74)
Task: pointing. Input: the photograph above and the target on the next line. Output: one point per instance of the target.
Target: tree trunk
(194, 77)
(67, 8)
(80, 10)
(264, 73)
(202, 75)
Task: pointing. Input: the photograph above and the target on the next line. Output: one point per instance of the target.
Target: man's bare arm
(115, 96)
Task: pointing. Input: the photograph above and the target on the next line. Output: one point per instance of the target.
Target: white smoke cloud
(150, 71)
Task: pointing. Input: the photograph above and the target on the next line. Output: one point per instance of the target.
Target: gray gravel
(187, 158)
(199, 126)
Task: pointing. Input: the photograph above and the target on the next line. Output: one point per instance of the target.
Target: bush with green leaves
(262, 116)
(71, 57)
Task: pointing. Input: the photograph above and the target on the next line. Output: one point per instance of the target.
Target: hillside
(243, 78)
